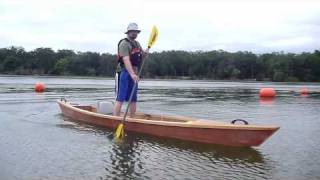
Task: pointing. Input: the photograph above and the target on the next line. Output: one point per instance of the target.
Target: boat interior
(141, 115)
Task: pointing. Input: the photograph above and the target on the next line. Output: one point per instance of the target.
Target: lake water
(37, 142)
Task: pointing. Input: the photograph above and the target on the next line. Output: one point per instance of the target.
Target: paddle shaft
(132, 91)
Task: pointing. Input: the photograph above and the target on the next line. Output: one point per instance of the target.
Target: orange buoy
(39, 87)
(304, 91)
(267, 92)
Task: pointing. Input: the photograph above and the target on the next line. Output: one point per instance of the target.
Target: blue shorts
(124, 86)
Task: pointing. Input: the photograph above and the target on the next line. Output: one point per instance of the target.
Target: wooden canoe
(177, 127)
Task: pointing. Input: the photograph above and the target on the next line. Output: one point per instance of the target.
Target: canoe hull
(229, 137)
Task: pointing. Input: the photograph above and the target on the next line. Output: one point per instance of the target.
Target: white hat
(132, 27)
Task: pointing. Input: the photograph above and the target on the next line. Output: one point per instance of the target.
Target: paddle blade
(153, 36)
(120, 131)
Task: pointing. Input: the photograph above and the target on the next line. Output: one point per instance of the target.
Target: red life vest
(135, 54)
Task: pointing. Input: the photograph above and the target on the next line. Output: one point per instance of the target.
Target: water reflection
(138, 153)
(267, 101)
(217, 151)
(125, 159)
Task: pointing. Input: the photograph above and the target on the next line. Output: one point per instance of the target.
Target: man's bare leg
(117, 108)
(133, 108)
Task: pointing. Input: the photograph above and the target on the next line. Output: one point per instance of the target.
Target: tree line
(167, 64)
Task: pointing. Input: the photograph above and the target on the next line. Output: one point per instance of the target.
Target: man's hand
(145, 53)
(135, 78)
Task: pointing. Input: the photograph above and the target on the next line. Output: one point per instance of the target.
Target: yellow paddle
(152, 39)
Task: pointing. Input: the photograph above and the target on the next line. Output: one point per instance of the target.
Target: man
(130, 55)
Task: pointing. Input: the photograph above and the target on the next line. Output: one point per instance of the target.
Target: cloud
(96, 25)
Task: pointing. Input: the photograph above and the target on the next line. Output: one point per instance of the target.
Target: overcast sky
(94, 25)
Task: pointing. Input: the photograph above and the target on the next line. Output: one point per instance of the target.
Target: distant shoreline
(179, 65)
(154, 79)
